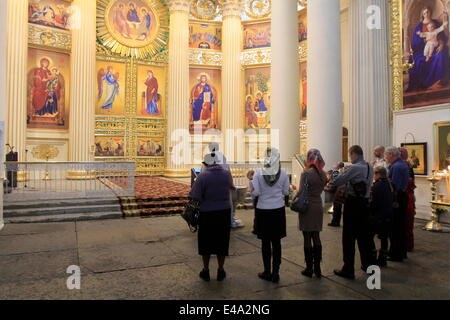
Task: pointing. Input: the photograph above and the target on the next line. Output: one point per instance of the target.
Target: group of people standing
(376, 196)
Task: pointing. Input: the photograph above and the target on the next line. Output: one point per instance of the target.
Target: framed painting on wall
(303, 91)
(50, 13)
(417, 157)
(205, 36)
(109, 147)
(420, 53)
(257, 35)
(205, 100)
(150, 147)
(442, 145)
(48, 89)
(151, 89)
(257, 98)
(110, 88)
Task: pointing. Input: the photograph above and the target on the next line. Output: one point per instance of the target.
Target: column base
(81, 175)
(177, 173)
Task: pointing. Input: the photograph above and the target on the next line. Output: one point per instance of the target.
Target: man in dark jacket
(399, 175)
(358, 178)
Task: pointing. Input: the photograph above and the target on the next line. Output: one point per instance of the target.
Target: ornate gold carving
(396, 54)
(258, 9)
(49, 37)
(119, 44)
(45, 152)
(264, 55)
(205, 9)
(203, 57)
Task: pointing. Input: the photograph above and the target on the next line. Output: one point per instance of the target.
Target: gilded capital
(179, 5)
(231, 8)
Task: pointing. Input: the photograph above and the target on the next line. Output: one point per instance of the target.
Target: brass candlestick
(434, 224)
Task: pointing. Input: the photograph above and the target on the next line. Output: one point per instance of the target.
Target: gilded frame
(437, 126)
(396, 54)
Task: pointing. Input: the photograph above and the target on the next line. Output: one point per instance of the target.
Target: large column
(285, 113)
(324, 79)
(178, 90)
(3, 99)
(369, 76)
(82, 93)
(16, 73)
(233, 112)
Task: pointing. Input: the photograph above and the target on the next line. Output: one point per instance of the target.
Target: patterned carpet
(160, 188)
(156, 196)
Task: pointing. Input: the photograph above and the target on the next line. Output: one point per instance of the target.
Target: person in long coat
(311, 222)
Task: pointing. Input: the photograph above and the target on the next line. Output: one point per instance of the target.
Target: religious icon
(151, 88)
(49, 13)
(257, 35)
(302, 26)
(110, 93)
(150, 147)
(205, 36)
(109, 146)
(417, 157)
(442, 145)
(426, 53)
(47, 89)
(204, 103)
(257, 99)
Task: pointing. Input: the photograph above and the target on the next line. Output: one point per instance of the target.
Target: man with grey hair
(399, 175)
(379, 160)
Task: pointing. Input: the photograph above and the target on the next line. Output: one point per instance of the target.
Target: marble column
(285, 113)
(369, 77)
(324, 79)
(82, 93)
(16, 73)
(232, 109)
(179, 149)
(3, 98)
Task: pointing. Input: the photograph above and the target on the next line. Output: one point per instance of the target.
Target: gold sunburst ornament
(133, 28)
(205, 9)
(257, 9)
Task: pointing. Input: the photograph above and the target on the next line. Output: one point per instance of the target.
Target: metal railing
(27, 181)
(239, 171)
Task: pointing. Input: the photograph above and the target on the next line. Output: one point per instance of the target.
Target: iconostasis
(131, 79)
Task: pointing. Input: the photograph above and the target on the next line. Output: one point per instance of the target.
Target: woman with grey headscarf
(271, 186)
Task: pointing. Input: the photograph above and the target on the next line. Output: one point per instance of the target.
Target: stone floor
(156, 258)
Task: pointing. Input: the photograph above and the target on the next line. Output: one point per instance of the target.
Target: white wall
(420, 122)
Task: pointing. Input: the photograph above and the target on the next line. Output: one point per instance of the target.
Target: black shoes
(221, 274)
(309, 259)
(204, 274)
(334, 225)
(265, 276)
(271, 277)
(344, 274)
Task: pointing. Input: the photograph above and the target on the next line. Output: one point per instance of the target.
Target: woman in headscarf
(271, 186)
(311, 222)
(212, 189)
(411, 208)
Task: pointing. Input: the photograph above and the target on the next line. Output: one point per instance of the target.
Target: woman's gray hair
(394, 151)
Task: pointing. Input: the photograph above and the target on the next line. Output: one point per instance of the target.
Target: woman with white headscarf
(271, 186)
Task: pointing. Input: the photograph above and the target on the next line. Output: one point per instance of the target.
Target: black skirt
(214, 233)
(270, 224)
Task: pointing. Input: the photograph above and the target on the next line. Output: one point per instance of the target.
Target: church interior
(116, 102)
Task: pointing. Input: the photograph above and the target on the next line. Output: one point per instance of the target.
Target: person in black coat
(382, 209)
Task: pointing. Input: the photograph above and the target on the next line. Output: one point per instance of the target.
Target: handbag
(301, 201)
(191, 215)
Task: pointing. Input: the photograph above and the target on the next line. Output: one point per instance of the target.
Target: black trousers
(271, 248)
(398, 232)
(356, 229)
(337, 213)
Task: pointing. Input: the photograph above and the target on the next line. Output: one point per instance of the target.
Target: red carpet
(156, 196)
